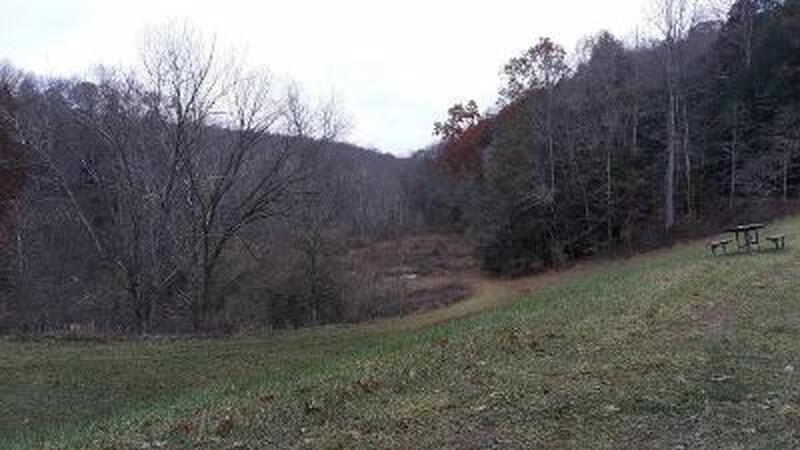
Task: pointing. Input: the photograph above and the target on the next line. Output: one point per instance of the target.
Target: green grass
(667, 350)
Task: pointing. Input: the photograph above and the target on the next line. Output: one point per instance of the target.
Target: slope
(670, 349)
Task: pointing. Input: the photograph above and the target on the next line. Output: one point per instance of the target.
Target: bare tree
(541, 67)
(673, 19)
(733, 150)
(226, 184)
(12, 177)
(176, 165)
(786, 137)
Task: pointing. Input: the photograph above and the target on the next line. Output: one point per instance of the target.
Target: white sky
(395, 65)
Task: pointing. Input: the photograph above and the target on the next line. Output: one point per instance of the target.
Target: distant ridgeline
(144, 215)
(191, 198)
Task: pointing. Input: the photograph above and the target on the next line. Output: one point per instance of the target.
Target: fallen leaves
(313, 405)
(225, 426)
(789, 410)
(266, 398)
(369, 385)
(183, 427)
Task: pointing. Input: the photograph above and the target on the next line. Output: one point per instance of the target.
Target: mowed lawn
(674, 349)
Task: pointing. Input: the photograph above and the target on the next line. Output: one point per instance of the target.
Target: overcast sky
(395, 65)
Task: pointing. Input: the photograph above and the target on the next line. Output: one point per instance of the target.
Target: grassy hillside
(674, 349)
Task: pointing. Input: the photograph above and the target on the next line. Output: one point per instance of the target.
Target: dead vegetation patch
(413, 274)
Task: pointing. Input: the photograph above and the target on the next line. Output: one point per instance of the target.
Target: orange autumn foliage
(466, 135)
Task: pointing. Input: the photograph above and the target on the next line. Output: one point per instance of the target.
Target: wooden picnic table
(747, 235)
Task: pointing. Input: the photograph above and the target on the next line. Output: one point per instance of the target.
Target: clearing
(672, 349)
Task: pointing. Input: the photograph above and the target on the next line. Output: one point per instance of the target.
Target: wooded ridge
(198, 195)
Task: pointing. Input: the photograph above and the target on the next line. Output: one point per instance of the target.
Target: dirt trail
(490, 293)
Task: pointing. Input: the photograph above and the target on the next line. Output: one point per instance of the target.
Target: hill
(672, 349)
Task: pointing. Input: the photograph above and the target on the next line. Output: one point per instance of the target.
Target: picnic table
(747, 235)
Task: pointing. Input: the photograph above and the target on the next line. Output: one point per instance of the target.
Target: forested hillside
(625, 142)
(193, 196)
(198, 195)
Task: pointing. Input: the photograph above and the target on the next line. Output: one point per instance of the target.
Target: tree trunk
(609, 197)
(785, 180)
(733, 149)
(19, 241)
(550, 143)
(749, 26)
(669, 181)
(635, 129)
(687, 164)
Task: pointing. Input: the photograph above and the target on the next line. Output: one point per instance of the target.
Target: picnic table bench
(779, 240)
(747, 237)
(714, 245)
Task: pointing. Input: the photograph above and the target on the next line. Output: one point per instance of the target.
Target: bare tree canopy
(200, 193)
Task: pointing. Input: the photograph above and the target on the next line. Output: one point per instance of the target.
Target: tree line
(623, 144)
(193, 195)
(196, 195)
